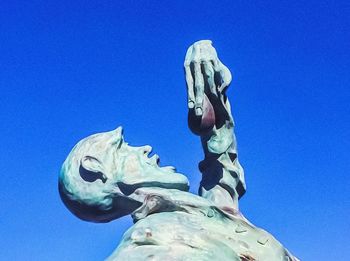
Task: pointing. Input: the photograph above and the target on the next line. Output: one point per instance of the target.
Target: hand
(207, 80)
(206, 76)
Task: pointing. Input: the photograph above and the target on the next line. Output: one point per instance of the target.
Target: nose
(146, 149)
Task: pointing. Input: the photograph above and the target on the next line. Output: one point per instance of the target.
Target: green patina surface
(103, 178)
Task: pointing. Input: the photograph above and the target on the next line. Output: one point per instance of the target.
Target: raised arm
(210, 117)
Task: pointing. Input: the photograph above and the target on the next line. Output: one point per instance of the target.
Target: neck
(157, 200)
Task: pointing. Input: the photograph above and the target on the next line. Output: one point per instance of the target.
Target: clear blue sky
(72, 68)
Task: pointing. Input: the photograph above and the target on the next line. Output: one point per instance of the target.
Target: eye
(120, 142)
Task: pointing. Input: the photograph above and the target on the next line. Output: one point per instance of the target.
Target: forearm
(210, 118)
(220, 168)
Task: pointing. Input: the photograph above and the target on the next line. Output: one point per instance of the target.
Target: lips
(170, 169)
(154, 160)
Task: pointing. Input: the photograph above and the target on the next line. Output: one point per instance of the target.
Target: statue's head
(101, 173)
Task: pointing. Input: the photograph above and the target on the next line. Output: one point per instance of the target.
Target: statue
(104, 178)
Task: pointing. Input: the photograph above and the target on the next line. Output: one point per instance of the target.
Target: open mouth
(155, 161)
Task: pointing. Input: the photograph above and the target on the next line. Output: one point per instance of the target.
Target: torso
(203, 233)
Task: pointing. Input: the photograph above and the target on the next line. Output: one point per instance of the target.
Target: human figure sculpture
(104, 178)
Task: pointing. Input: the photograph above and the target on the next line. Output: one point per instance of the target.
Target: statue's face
(102, 172)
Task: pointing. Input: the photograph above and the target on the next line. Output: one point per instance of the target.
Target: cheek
(132, 165)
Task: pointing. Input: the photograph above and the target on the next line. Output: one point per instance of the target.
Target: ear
(91, 169)
(91, 164)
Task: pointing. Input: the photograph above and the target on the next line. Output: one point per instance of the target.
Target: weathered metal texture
(103, 178)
